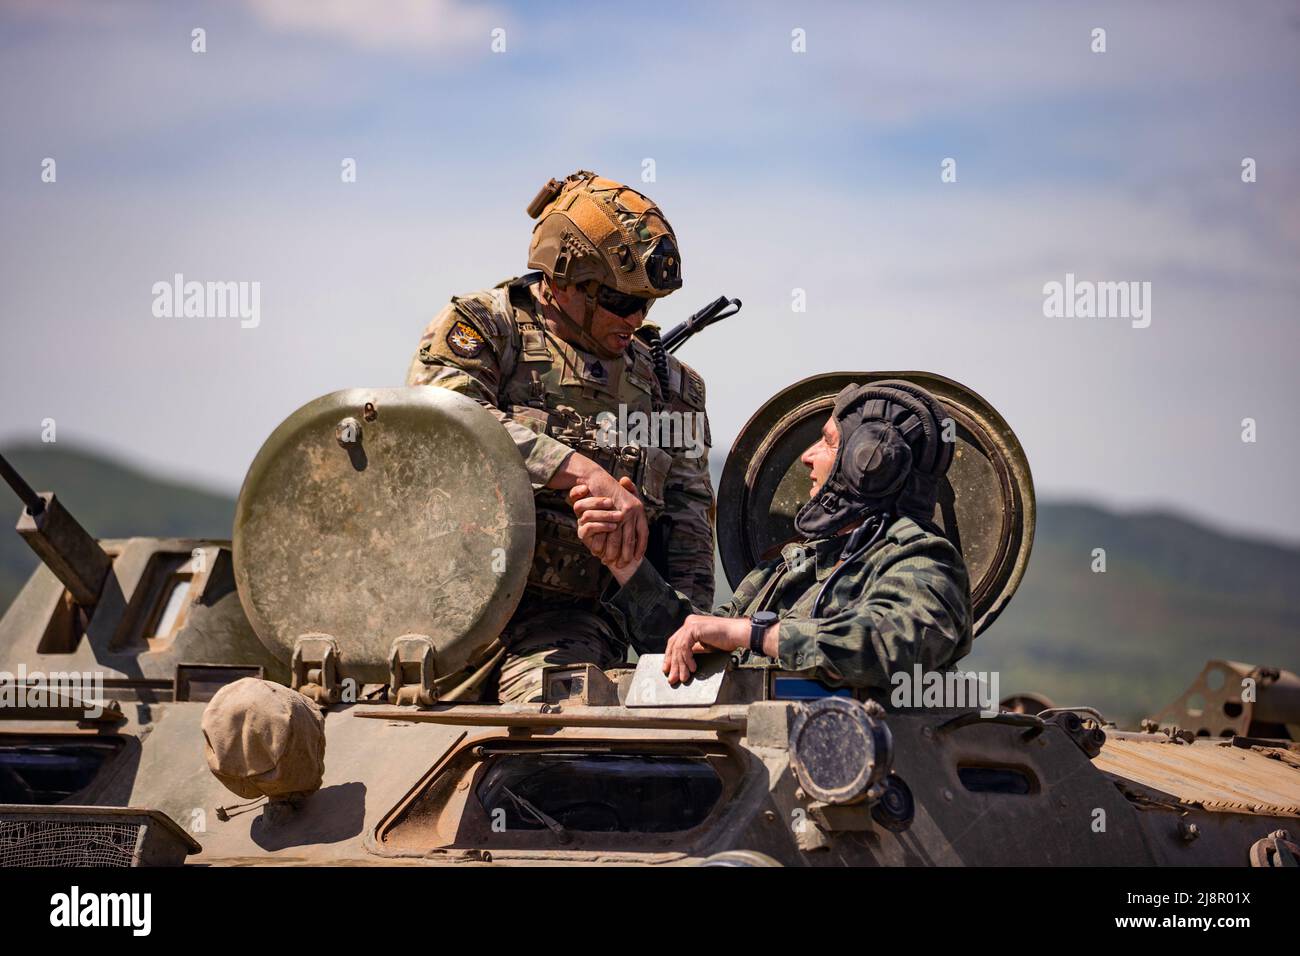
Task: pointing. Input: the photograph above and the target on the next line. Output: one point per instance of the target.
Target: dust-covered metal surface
(717, 718)
(122, 638)
(370, 514)
(986, 501)
(1215, 775)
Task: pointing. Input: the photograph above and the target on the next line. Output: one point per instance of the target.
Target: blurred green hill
(110, 499)
(1174, 594)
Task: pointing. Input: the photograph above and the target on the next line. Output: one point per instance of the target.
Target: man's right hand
(621, 533)
(597, 520)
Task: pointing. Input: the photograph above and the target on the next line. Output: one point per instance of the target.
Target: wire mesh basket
(62, 836)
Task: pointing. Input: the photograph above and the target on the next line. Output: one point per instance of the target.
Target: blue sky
(779, 170)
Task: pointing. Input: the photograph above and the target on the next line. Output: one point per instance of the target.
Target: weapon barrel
(59, 540)
(34, 503)
(717, 310)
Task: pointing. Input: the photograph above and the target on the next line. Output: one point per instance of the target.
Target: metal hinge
(314, 669)
(1276, 849)
(411, 671)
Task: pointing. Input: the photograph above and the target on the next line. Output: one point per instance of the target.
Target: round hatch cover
(370, 514)
(986, 502)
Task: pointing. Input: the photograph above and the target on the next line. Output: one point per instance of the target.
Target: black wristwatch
(758, 625)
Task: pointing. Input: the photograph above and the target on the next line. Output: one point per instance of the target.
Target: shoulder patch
(472, 308)
(693, 388)
(465, 340)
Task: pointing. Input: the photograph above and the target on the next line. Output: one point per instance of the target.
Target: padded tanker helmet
(892, 456)
(591, 229)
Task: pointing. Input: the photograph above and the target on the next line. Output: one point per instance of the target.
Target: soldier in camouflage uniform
(553, 355)
(873, 589)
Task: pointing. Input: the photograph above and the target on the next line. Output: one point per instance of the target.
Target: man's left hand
(699, 634)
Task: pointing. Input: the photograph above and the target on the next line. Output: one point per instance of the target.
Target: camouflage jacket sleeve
(688, 493)
(908, 604)
(463, 349)
(651, 609)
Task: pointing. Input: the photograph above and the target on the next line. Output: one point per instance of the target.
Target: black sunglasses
(620, 303)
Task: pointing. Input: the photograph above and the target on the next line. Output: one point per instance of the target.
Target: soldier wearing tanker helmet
(872, 588)
(553, 354)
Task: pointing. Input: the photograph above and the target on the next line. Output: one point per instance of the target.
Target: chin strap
(589, 309)
(583, 331)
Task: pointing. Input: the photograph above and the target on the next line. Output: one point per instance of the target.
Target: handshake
(611, 522)
(611, 517)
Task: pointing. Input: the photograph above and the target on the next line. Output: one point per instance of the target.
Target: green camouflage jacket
(905, 602)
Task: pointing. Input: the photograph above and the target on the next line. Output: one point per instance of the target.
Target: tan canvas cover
(263, 739)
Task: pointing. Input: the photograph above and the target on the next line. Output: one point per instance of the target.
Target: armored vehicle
(381, 541)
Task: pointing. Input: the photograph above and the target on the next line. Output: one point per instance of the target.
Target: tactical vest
(560, 390)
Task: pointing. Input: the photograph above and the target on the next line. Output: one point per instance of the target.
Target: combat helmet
(591, 229)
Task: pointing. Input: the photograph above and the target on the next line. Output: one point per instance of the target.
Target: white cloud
(442, 26)
(76, 12)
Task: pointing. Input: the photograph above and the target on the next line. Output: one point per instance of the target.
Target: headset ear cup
(877, 460)
(937, 413)
(891, 456)
(888, 405)
(927, 454)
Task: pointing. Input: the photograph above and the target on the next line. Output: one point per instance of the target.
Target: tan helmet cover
(589, 228)
(263, 739)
